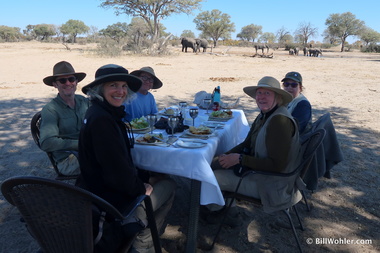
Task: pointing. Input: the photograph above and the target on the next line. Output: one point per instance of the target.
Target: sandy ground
(345, 207)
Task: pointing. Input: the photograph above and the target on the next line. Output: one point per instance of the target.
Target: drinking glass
(182, 106)
(207, 103)
(193, 113)
(172, 122)
(151, 120)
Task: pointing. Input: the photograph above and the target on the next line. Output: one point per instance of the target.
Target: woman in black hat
(106, 163)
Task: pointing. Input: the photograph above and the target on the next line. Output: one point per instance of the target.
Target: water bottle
(216, 95)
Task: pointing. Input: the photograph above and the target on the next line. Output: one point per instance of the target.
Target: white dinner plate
(140, 140)
(140, 129)
(187, 131)
(213, 124)
(219, 119)
(190, 144)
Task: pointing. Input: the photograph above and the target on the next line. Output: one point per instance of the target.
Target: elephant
(201, 43)
(262, 47)
(188, 42)
(291, 51)
(296, 51)
(305, 51)
(315, 52)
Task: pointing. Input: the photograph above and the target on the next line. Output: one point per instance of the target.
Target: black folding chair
(60, 215)
(35, 129)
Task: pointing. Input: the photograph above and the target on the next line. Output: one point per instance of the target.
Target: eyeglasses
(294, 85)
(64, 80)
(147, 79)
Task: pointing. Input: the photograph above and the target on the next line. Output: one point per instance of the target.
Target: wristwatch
(241, 159)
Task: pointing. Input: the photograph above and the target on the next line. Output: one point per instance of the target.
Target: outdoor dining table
(194, 163)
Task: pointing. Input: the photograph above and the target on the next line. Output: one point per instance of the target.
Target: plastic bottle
(216, 95)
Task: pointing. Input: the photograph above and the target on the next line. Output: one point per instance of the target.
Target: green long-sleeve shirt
(280, 131)
(60, 125)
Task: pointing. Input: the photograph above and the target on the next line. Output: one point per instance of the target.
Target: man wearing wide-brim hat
(144, 103)
(272, 144)
(62, 117)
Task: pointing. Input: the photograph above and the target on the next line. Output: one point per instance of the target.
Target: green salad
(139, 123)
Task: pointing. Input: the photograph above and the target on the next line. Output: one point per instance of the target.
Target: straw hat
(63, 68)
(156, 84)
(270, 83)
(113, 72)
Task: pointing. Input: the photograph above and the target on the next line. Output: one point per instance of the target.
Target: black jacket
(105, 159)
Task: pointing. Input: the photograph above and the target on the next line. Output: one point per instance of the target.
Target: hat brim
(251, 91)
(157, 82)
(134, 83)
(291, 78)
(50, 79)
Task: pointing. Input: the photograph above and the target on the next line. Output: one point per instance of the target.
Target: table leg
(192, 232)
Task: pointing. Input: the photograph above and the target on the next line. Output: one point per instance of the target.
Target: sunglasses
(147, 79)
(294, 85)
(64, 80)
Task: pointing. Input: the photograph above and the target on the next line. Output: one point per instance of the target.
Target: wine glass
(182, 106)
(172, 122)
(207, 103)
(151, 120)
(193, 113)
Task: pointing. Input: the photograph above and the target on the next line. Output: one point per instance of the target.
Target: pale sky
(271, 15)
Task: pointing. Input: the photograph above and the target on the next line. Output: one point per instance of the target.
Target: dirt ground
(345, 207)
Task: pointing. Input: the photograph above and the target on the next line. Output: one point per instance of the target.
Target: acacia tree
(73, 28)
(267, 37)
(214, 24)
(9, 34)
(344, 25)
(116, 31)
(304, 32)
(44, 31)
(152, 11)
(250, 32)
(368, 35)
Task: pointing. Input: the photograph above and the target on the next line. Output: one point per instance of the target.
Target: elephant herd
(195, 44)
(315, 52)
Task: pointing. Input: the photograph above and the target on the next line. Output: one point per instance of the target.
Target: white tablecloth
(195, 163)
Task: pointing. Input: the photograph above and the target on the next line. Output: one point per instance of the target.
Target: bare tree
(305, 31)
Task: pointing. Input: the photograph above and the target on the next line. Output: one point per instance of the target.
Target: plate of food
(139, 124)
(190, 144)
(151, 139)
(199, 131)
(221, 115)
(169, 111)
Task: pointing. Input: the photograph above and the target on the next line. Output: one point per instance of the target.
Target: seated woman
(299, 107)
(105, 159)
(272, 144)
(144, 104)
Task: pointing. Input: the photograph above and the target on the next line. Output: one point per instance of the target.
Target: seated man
(144, 104)
(272, 144)
(62, 117)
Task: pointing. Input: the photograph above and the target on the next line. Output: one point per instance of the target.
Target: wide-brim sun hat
(295, 76)
(113, 72)
(63, 68)
(156, 83)
(270, 83)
